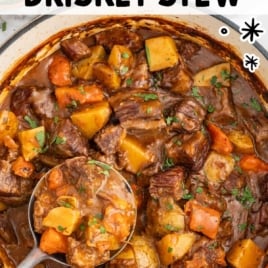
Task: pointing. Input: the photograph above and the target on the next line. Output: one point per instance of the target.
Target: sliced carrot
(22, 168)
(59, 71)
(252, 163)
(80, 94)
(53, 242)
(203, 219)
(55, 179)
(220, 141)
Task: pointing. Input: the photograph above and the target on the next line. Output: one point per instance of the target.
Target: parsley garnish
(254, 103)
(40, 137)
(171, 119)
(4, 26)
(129, 81)
(147, 96)
(102, 230)
(196, 93)
(124, 55)
(226, 75)
(32, 123)
(171, 228)
(106, 168)
(123, 70)
(168, 163)
(199, 190)
(169, 206)
(214, 82)
(59, 140)
(187, 196)
(244, 196)
(170, 249)
(65, 204)
(82, 90)
(210, 108)
(61, 228)
(242, 227)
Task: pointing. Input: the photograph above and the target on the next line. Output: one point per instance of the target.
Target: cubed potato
(8, 124)
(92, 119)
(106, 75)
(218, 167)
(32, 141)
(245, 254)
(241, 141)
(120, 59)
(161, 53)
(173, 247)
(221, 72)
(145, 252)
(84, 68)
(64, 220)
(135, 154)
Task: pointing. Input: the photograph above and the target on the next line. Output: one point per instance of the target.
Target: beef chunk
(138, 109)
(187, 116)
(43, 103)
(120, 36)
(188, 49)
(168, 183)
(258, 127)
(75, 49)
(66, 140)
(177, 79)
(14, 190)
(190, 150)
(263, 187)
(108, 139)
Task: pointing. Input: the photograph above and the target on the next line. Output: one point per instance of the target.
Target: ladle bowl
(36, 255)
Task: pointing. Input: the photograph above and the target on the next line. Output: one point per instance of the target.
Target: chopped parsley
(149, 110)
(171, 228)
(32, 123)
(4, 26)
(168, 163)
(106, 168)
(254, 104)
(102, 230)
(199, 190)
(210, 108)
(40, 137)
(129, 81)
(171, 119)
(242, 227)
(170, 249)
(196, 93)
(187, 196)
(147, 96)
(123, 70)
(61, 228)
(125, 55)
(73, 104)
(82, 227)
(213, 245)
(226, 75)
(82, 90)
(169, 206)
(214, 82)
(244, 196)
(59, 140)
(65, 204)
(81, 189)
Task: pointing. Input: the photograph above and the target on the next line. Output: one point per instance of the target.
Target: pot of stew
(164, 100)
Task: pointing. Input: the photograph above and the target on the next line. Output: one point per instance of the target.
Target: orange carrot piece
(10, 143)
(203, 219)
(220, 141)
(81, 94)
(55, 179)
(22, 168)
(59, 71)
(253, 163)
(53, 242)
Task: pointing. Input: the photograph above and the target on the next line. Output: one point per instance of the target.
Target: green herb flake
(129, 81)
(125, 55)
(102, 230)
(99, 216)
(210, 108)
(170, 249)
(169, 206)
(147, 96)
(81, 189)
(236, 158)
(171, 228)
(123, 70)
(214, 82)
(238, 169)
(149, 110)
(227, 76)
(93, 222)
(199, 190)
(82, 89)
(242, 227)
(171, 119)
(187, 196)
(196, 93)
(168, 163)
(59, 140)
(82, 227)
(254, 104)
(56, 119)
(65, 204)
(213, 245)
(4, 26)
(61, 228)
(40, 137)
(32, 123)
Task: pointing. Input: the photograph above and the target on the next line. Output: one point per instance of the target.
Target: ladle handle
(34, 257)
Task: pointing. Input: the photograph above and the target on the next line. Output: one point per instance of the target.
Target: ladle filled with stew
(80, 211)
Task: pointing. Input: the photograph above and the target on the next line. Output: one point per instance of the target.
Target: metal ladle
(36, 255)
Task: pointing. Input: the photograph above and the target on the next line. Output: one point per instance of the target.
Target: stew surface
(176, 117)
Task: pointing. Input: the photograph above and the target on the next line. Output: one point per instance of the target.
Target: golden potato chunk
(64, 220)
(161, 53)
(245, 254)
(8, 124)
(218, 167)
(32, 141)
(241, 141)
(173, 247)
(216, 75)
(136, 155)
(84, 68)
(92, 119)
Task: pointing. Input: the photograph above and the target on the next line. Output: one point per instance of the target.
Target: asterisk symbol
(252, 32)
(251, 62)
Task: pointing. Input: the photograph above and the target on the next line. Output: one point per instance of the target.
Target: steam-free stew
(179, 118)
